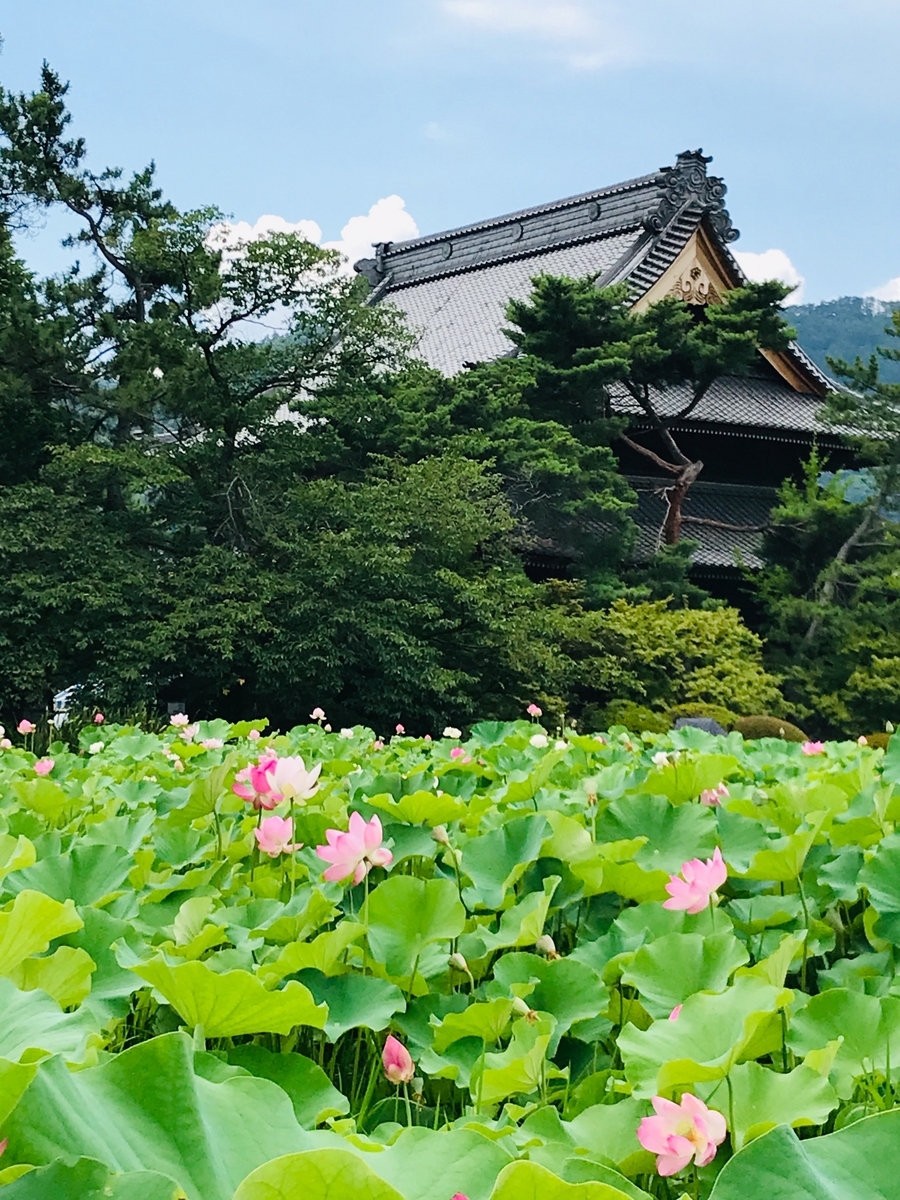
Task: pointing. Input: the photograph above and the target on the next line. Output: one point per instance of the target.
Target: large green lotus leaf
(568, 990)
(205, 794)
(841, 874)
(611, 1131)
(487, 1021)
(111, 983)
(29, 925)
(325, 953)
(43, 796)
(740, 837)
(756, 913)
(868, 1028)
(16, 853)
(316, 1175)
(148, 1109)
(711, 1035)
(87, 1179)
(496, 860)
(34, 1021)
(14, 1080)
(550, 1142)
(420, 808)
(86, 875)
(673, 967)
(530, 1181)
(881, 877)
(523, 786)
(354, 1001)
(592, 865)
(423, 1163)
(783, 859)
(405, 914)
(518, 1069)
(312, 1093)
(674, 835)
(231, 1003)
(683, 779)
(763, 1098)
(65, 975)
(128, 832)
(860, 1162)
(520, 925)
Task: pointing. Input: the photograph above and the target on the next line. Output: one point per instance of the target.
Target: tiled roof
(459, 318)
(757, 401)
(729, 503)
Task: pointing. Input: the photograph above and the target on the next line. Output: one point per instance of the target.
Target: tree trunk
(675, 497)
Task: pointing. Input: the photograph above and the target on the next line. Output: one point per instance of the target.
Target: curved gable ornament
(694, 286)
(688, 182)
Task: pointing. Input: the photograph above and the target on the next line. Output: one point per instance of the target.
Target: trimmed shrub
(769, 727)
(635, 717)
(878, 741)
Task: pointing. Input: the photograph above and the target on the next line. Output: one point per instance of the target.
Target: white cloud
(233, 233)
(888, 291)
(772, 264)
(386, 221)
(543, 17)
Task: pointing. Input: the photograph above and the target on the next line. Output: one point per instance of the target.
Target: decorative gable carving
(694, 286)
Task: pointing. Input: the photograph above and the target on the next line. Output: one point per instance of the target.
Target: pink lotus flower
(179, 720)
(254, 783)
(813, 748)
(254, 735)
(534, 711)
(697, 885)
(400, 729)
(378, 744)
(212, 743)
(189, 732)
(43, 766)
(99, 718)
(25, 727)
(354, 853)
(274, 836)
(292, 781)
(5, 744)
(713, 796)
(681, 1132)
(398, 1065)
(318, 714)
(459, 753)
(676, 1012)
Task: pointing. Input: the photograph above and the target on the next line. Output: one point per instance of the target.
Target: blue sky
(315, 110)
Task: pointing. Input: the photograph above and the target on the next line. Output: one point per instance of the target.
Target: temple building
(664, 234)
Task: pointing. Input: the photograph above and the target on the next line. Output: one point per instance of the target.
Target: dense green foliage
(186, 1016)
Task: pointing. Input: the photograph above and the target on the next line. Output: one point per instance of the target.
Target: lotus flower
(713, 796)
(458, 752)
(681, 1132)
(292, 781)
(318, 714)
(5, 744)
(452, 732)
(400, 729)
(398, 1065)
(813, 748)
(274, 836)
(95, 747)
(179, 720)
(99, 718)
(697, 885)
(254, 735)
(534, 711)
(43, 766)
(354, 853)
(676, 1012)
(254, 783)
(212, 743)
(25, 727)
(540, 741)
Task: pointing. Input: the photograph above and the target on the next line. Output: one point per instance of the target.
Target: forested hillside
(846, 328)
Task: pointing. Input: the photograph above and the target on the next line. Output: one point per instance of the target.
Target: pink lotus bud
(254, 735)
(675, 1013)
(99, 718)
(25, 727)
(397, 1061)
(459, 1196)
(3, 1145)
(43, 766)
(862, 740)
(400, 729)
(458, 752)
(318, 714)
(811, 748)
(534, 711)
(378, 744)
(274, 836)
(427, 737)
(5, 744)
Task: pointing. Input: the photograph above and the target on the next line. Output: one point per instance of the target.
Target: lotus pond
(321, 966)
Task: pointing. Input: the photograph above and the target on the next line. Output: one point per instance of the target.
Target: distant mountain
(846, 328)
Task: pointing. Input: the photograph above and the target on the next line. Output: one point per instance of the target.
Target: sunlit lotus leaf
(34, 1021)
(712, 1034)
(325, 953)
(611, 1131)
(147, 1109)
(495, 861)
(519, 1068)
(86, 875)
(87, 1179)
(405, 914)
(232, 1003)
(763, 1098)
(784, 858)
(43, 796)
(420, 808)
(530, 1181)
(673, 967)
(673, 835)
(14, 1080)
(29, 924)
(520, 925)
(312, 1093)
(859, 1162)
(487, 1021)
(568, 990)
(881, 878)
(419, 1158)
(65, 975)
(867, 1027)
(16, 853)
(316, 1175)
(353, 1001)
(685, 777)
